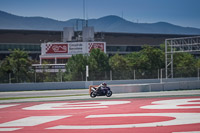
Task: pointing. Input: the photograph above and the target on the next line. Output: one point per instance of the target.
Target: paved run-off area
(174, 114)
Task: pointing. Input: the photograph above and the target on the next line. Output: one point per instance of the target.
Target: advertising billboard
(96, 45)
(71, 48)
(76, 48)
(56, 48)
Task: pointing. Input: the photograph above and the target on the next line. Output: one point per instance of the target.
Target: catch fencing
(60, 76)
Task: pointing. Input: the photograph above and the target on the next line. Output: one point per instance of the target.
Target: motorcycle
(107, 92)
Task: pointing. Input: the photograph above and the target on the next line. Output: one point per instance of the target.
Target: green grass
(42, 90)
(14, 98)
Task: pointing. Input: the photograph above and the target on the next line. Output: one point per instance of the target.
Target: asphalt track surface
(64, 95)
(149, 112)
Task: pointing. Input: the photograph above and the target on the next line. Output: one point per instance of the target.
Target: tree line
(101, 67)
(147, 62)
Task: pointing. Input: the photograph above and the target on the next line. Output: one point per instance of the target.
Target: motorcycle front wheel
(109, 94)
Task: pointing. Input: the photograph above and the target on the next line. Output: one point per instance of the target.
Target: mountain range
(105, 24)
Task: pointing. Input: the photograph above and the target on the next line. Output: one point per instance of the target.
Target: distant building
(122, 43)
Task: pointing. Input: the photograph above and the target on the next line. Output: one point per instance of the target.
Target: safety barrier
(168, 86)
(118, 86)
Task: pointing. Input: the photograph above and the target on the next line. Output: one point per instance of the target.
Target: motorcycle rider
(102, 87)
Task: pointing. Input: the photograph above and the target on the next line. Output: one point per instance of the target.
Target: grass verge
(14, 98)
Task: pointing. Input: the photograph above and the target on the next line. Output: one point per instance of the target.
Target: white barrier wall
(120, 86)
(130, 88)
(70, 48)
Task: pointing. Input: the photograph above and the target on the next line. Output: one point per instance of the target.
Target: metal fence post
(60, 76)
(87, 72)
(10, 78)
(110, 74)
(161, 76)
(134, 74)
(35, 77)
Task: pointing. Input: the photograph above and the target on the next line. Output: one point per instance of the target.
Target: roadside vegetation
(144, 64)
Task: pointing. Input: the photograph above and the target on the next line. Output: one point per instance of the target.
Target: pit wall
(117, 86)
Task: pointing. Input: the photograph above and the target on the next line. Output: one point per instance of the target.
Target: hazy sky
(180, 12)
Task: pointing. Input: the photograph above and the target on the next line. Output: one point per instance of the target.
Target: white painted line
(179, 119)
(75, 105)
(188, 132)
(174, 104)
(32, 121)
(7, 105)
(9, 129)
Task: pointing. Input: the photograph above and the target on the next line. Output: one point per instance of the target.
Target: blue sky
(179, 12)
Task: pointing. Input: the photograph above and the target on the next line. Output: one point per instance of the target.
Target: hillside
(106, 24)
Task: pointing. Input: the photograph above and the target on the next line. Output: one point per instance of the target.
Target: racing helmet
(104, 85)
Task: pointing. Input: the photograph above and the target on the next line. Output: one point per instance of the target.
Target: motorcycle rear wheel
(93, 95)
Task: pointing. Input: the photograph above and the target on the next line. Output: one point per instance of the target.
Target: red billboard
(95, 45)
(56, 48)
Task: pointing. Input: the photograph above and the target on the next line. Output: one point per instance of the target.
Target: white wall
(118, 86)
